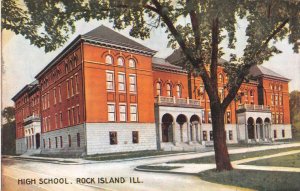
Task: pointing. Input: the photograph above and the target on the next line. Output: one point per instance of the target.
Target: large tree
(206, 24)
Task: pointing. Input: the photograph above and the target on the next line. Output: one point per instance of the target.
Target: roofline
(158, 66)
(86, 38)
(21, 92)
(123, 46)
(274, 77)
(59, 56)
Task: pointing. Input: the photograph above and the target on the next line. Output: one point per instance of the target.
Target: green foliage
(8, 113)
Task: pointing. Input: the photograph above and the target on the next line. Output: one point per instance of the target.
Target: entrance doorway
(167, 128)
(37, 139)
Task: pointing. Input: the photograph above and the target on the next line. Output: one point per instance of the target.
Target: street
(13, 170)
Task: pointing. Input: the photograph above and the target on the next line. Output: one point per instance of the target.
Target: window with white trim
(120, 61)
(122, 110)
(111, 112)
(169, 90)
(59, 93)
(132, 83)
(68, 89)
(110, 80)
(158, 88)
(108, 59)
(133, 112)
(60, 120)
(54, 95)
(76, 83)
(121, 82)
(178, 90)
(132, 63)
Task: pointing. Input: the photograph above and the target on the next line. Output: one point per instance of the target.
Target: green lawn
(285, 161)
(239, 156)
(127, 155)
(258, 180)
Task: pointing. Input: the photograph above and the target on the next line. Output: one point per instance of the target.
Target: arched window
(132, 63)
(221, 79)
(120, 61)
(178, 91)
(169, 90)
(66, 68)
(158, 88)
(108, 59)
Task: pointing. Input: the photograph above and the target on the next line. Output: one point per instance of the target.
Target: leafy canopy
(49, 23)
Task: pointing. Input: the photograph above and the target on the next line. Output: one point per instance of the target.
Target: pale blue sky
(23, 61)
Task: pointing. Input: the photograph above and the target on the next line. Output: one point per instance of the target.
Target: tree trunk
(221, 152)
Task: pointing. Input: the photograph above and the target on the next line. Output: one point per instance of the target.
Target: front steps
(31, 152)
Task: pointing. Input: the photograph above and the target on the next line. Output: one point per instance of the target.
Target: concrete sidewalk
(192, 168)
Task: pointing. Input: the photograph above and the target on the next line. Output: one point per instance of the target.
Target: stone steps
(192, 146)
(31, 152)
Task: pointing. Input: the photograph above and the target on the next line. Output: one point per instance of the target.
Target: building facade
(106, 93)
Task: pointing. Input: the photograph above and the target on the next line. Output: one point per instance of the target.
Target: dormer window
(120, 61)
(132, 63)
(108, 59)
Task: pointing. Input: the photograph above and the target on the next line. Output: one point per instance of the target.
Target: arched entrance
(181, 119)
(167, 128)
(37, 139)
(250, 128)
(194, 128)
(260, 130)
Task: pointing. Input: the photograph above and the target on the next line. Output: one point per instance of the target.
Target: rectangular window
(228, 117)
(121, 82)
(69, 115)
(276, 99)
(49, 143)
(54, 95)
(111, 112)
(209, 117)
(109, 80)
(113, 138)
(48, 95)
(56, 143)
(78, 114)
(280, 100)
(122, 111)
(132, 83)
(204, 135)
(56, 126)
(78, 140)
(76, 83)
(72, 116)
(68, 89)
(211, 137)
(59, 93)
(281, 118)
(203, 116)
(49, 123)
(69, 140)
(273, 118)
(135, 137)
(61, 142)
(283, 133)
(272, 99)
(277, 118)
(71, 87)
(133, 113)
(230, 135)
(44, 143)
(60, 120)
(275, 134)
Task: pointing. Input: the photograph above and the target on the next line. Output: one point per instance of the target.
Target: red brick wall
(96, 94)
(57, 78)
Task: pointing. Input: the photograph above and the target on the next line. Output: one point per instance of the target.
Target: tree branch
(195, 23)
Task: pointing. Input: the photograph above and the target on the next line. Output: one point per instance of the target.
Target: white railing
(32, 117)
(177, 101)
(254, 107)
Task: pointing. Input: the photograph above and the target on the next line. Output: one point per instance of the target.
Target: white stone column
(188, 132)
(255, 134)
(263, 126)
(174, 133)
(246, 132)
